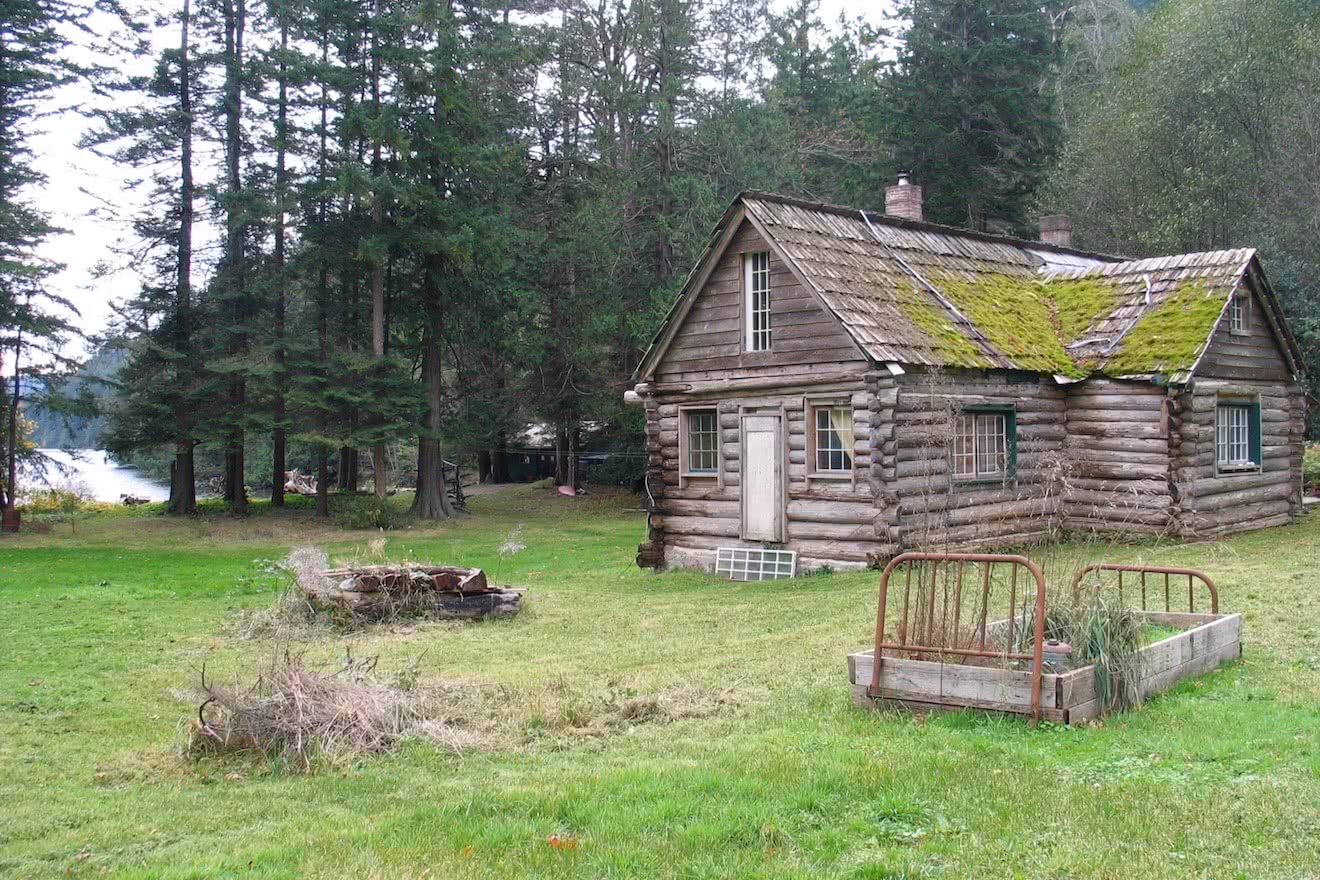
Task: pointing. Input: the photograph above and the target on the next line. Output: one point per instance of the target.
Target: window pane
(834, 438)
(1233, 435)
(703, 447)
(758, 301)
(964, 446)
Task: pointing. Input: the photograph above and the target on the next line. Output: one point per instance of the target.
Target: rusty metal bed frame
(917, 635)
(1191, 574)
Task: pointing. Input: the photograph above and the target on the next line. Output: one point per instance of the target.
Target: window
(1237, 313)
(758, 301)
(832, 439)
(702, 455)
(983, 445)
(1237, 436)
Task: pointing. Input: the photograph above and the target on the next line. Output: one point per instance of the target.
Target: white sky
(83, 194)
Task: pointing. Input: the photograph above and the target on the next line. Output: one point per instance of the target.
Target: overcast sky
(84, 192)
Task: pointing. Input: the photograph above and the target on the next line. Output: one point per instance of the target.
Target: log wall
(935, 510)
(1117, 457)
(1219, 503)
(832, 521)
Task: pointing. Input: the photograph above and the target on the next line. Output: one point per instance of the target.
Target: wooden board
(928, 685)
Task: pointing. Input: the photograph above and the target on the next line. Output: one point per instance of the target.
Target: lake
(93, 471)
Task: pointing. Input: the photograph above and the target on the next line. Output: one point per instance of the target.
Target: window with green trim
(984, 444)
(1237, 436)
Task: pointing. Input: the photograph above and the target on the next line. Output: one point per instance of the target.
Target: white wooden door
(762, 478)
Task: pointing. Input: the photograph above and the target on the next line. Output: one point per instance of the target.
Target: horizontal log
(1242, 497)
(832, 511)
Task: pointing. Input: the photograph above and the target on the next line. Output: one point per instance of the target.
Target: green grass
(1220, 778)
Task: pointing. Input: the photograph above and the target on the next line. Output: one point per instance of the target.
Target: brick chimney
(1056, 229)
(903, 199)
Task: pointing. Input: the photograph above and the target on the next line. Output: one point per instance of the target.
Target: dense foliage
(423, 224)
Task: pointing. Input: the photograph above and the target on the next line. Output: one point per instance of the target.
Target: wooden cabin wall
(1117, 457)
(936, 512)
(1247, 364)
(833, 522)
(709, 345)
(1216, 504)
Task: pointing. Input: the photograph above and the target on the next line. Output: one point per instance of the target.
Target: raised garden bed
(969, 632)
(1070, 697)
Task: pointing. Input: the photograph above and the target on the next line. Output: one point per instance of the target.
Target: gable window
(1238, 311)
(701, 433)
(832, 439)
(984, 443)
(1237, 436)
(757, 284)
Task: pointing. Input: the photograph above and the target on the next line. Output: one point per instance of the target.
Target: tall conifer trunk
(378, 264)
(183, 482)
(432, 501)
(235, 15)
(281, 182)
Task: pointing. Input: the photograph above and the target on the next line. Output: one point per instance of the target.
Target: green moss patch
(949, 344)
(1169, 336)
(1079, 303)
(1015, 314)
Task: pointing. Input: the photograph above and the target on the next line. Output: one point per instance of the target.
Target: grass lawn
(102, 634)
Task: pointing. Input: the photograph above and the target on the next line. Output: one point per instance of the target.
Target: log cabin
(849, 385)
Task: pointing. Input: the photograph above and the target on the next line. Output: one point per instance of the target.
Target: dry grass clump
(302, 716)
(562, 709)
(1103, 633)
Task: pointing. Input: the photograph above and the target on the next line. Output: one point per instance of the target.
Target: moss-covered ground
(101, 630)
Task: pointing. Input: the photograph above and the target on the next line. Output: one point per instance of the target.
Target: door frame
(780, 459)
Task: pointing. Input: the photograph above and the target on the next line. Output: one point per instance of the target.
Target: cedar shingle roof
(920, 293)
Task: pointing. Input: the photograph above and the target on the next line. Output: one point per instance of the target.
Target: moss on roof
(946, 340)
(1169, 336)
(1016, 315)
(1079, 303)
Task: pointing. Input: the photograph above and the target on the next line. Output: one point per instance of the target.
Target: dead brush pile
(303, 716)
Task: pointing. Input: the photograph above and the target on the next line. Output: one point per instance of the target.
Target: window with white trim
(1235, 446)
(702, 433)
(757, 287)
(981, 445)
(1238, 309)
(832, 439)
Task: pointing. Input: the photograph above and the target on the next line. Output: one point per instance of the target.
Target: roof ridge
(927, 226)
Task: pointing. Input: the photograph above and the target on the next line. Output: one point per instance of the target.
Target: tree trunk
(11, 439)
(184, 500)
(278, 465)
(235, 15)
(432, 501)
(183, 480)
(485, 471)
(378, 472)
(322, 481)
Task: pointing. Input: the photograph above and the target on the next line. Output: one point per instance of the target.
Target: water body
(92, 471)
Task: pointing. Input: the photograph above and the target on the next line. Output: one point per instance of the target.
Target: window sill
(1235, 470)
(700, 475)
(831, 475)
(981, 482)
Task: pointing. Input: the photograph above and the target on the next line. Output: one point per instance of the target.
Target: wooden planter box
(1067, 698)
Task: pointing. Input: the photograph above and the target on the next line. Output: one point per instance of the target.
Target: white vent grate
(755, 564)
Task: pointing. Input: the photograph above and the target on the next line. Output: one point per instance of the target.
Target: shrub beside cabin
(849, 385)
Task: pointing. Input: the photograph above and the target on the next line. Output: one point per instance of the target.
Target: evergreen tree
(34, 321)
(970, 107)
(163, 393)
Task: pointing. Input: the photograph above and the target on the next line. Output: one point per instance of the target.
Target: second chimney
(1056, 229)
(903, 199)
